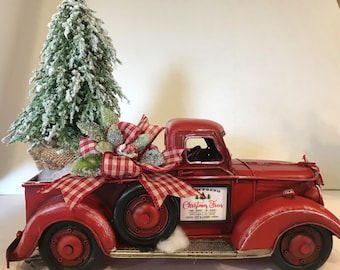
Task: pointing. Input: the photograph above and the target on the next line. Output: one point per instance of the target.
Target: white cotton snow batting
(177, 241)
(47, 175)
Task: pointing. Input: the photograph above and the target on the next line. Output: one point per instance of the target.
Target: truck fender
(261, 226)
(26, 242)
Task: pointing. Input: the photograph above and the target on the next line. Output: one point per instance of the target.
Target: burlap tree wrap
(46, 157)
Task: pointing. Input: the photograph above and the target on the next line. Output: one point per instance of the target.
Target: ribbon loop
(87, 146)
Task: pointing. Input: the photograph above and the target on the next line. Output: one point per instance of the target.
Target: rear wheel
(68, 245)
(139, 222)
(305, 247)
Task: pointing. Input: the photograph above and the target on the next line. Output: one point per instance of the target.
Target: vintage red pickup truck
(245, 209)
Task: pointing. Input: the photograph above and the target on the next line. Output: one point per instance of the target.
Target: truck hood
(280, 170)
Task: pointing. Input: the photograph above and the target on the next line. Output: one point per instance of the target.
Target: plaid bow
(155, 179)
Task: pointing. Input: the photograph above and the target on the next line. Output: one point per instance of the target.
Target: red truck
(247, 208)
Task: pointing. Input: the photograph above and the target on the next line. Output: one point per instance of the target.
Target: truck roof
(193, 124)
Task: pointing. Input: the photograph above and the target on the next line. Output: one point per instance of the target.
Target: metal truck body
(248, 208)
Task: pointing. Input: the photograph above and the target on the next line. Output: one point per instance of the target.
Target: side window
(202, 150)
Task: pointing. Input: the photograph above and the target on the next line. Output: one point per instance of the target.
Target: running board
(198, 249)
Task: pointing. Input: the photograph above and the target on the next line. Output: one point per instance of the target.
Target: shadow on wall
(17, 72)
(320, 142)
(324, 147)
(172, 98)
(241, 146)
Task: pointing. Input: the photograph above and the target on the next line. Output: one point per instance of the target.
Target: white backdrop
(267, 70)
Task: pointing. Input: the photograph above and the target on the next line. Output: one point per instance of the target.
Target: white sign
(211, 206)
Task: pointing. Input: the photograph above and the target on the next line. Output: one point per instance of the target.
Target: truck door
(205, 167)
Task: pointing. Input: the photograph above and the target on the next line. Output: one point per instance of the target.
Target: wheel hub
(144, 219)
(70, 247)
(301, 246)
(146, 216)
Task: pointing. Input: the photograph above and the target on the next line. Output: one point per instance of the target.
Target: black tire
(68, 245)
(305, 247)
(139, 223)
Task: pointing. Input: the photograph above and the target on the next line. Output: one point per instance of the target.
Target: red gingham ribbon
(119, 166)
(130, 131)
(152, 130)
(74, 188)
(160, 185)
(173, 156)
(87, 146)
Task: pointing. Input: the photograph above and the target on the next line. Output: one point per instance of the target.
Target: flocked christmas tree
(73, 81)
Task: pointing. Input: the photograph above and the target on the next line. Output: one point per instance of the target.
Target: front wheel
(68, 245)
(305, 247)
